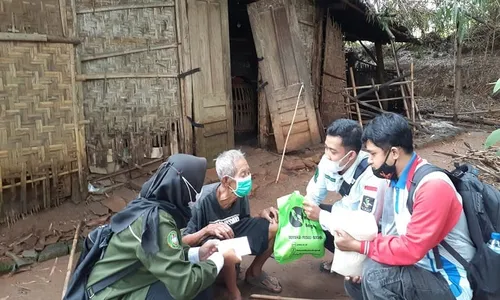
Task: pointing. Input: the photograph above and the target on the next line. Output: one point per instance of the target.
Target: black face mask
(385, 171)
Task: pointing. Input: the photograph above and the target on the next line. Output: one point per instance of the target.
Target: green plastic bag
(297, 235)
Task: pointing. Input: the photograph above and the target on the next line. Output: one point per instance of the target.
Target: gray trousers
(383, 282)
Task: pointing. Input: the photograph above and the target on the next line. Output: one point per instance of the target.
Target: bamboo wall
(41, 123)
(129, 67)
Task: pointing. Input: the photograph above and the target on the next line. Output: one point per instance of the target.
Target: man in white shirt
(344, 170)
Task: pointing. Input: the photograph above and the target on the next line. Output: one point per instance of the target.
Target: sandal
(325, 267)
(265, 281)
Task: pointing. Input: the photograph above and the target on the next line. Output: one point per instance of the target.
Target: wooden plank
(85, 77)
(126, 52)
(122, 7)
(276, 35)
(186, 82)
(33, 37)
(209, 46)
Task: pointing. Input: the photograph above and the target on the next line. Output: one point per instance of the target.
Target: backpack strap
(420, 173)
(110, 280)
(345, 188)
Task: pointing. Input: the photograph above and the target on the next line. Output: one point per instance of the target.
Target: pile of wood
(486, 161)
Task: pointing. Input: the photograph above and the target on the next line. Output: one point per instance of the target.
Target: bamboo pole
(289, 131)
(79, 149)
(377, 95)
(355, 93)
(377, 85)
(121, 7)
(399, 74)
(477, 112)
(382, 100)
(125, 52)
(34, 37)
(71, 258)
(86, 77)
(412, 92)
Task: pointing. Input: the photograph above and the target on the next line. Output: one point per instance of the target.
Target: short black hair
(389, 130)
(349, 131)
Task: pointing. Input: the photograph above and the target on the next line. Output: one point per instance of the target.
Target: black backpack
(345, 188)
(481, 204)
(93, 250)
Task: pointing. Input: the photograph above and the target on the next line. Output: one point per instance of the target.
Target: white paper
(240, 245)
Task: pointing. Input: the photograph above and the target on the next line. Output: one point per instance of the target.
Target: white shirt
(367, 192)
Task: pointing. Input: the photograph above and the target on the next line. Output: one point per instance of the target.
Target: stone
(98, 209)
(30, 255)
(79, 244)
(53, 251)
(294, 164)
(309, 163)
(136, 184)
(125, 193)
(115, 203)
(6, 265)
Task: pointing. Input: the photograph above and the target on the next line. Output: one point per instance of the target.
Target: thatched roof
(358, 22)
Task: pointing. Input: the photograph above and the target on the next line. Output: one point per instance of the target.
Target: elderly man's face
(242, 168)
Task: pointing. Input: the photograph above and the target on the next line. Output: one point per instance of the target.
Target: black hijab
(166, 190)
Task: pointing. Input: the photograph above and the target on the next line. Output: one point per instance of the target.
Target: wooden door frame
(185, 88)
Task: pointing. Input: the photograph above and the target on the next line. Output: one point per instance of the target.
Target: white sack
(361, 226)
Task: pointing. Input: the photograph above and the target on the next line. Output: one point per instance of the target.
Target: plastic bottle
(494, 243)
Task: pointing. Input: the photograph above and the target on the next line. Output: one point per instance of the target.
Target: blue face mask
(243, 186)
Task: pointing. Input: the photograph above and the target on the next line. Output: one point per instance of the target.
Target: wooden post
(377, 95)
(381, 69)
(412, 92)
(399, 74)
(355, 93)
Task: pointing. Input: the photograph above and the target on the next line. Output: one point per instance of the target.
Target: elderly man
(223, 212)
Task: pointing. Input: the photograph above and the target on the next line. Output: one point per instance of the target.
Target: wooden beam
(125, 52)
(368, 52)
(86, 77)
(122, 7)
(33, 37)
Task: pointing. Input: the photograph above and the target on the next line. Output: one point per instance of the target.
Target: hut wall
(41, 148)
(129, 66)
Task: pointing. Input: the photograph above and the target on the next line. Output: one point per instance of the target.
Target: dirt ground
(299, 279)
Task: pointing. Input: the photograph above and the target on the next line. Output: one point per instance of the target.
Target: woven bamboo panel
(35, 16)
(128, 116)
(37, 134)
(332, 104)
(305, 10)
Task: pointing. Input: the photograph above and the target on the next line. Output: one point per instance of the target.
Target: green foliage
(496, 89)
(492, 139)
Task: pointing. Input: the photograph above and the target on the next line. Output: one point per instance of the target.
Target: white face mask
(334, 166)
(191, 188)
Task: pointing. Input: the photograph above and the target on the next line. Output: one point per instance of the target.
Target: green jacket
(183, 279)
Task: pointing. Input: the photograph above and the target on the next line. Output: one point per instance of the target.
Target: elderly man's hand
(220, 230)
(312, 210)
(346, 242)
(270, 214)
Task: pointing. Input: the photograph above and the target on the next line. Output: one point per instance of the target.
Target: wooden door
(209, 47)
(275, 30)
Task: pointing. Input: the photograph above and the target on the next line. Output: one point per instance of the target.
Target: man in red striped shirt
(402, 263)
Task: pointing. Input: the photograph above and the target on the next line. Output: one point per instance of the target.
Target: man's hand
(312, 210)
(355, 279)
(207, 249)
(270, 214)
(220, 230)
(346, 242)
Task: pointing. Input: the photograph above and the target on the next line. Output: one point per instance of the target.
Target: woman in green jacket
(147, 230)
